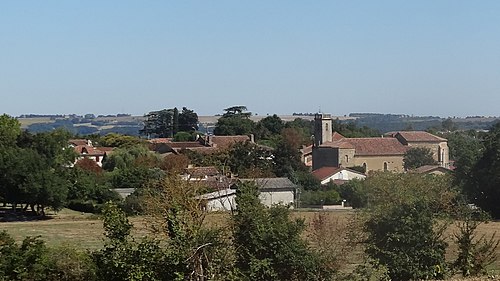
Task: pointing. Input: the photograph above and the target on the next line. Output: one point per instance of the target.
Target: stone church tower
(322, 128)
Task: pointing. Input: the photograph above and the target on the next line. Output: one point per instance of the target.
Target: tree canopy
(166, 123)
(483, 185)
(418, 156)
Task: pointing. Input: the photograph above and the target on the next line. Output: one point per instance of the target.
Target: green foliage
(448, 125)
(483, 185)
(404, 238)
(354, 192)
(32, 260)
(118, 140)
(127, 157)
(418, 156)
(247, 159)
(319, 197)
(188, 120)
(88, 191)
(122, 258)
(351, 130)
(159, 123)
(404, 233)
(306, 180)
(268, 127)
(183, 136)
(268, 244)
(387, 189)
(235, 121)
(116, 224)
(10, 129)
(465, 149)
(474, 254)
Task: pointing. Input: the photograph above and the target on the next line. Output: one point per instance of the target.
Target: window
(364, 167)
(326, 127)
(385, 166)
(347, 158)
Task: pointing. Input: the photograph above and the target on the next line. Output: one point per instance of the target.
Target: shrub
(404, 238)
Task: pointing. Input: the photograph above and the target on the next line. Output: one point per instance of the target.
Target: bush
(33, 260)
(404, 238)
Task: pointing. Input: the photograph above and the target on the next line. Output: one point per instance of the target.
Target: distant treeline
(90, 115)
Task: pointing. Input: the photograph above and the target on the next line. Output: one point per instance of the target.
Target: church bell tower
(322, 128)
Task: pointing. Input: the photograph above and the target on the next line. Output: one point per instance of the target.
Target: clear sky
(419, 57)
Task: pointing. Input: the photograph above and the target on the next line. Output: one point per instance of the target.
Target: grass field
(85, 231)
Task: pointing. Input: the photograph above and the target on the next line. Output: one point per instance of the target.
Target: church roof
(418, 136)
(342, 143)
(377, 146)
(336, 136)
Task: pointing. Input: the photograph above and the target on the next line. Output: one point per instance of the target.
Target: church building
(385, 153)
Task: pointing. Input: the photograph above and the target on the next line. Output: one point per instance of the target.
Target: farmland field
(85, 230)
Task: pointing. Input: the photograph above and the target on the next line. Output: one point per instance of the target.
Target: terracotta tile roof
(185, 144)
(224, 142)
(272, 183)
(325, 172)
(419, 136)
(160, 140)
(342, 143)
(336, 136)
(430, 168)
(218, 183)
(307, 150)
(78, 142)
(199, 172)
(377, 146)
(88, 150)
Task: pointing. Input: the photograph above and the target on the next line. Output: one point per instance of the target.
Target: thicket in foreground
(268, 243)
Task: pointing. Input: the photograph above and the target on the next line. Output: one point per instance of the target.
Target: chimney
(252, 138)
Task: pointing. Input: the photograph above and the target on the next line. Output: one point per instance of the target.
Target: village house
(206, 145)
(385, 153)
(272, 191)
(336, 175)
(85, 149)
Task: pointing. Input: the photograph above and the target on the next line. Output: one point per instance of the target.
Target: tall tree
(10, 129)
(159, 123)
(188, 120)
(235, 121)
(175, 121)
(483, 187)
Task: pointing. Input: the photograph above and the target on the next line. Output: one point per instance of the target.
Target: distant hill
(130, 125)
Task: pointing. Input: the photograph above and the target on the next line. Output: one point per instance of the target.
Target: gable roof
(306, 150)
(418, 136)
(342, 143)
(272, 183)
(202, 171)
(224, 142)
(77, 142)
(337, 136)
(430, 168)
(326, 172)
(88, 150)
(160, 140)
(377, 146)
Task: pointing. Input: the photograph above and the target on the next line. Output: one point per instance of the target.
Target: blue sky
(106, 57)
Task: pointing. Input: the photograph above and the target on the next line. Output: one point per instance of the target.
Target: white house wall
(343, 175)
(224, 203)
(276, 197)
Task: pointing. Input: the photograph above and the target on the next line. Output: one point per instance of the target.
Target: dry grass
(85, 231)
